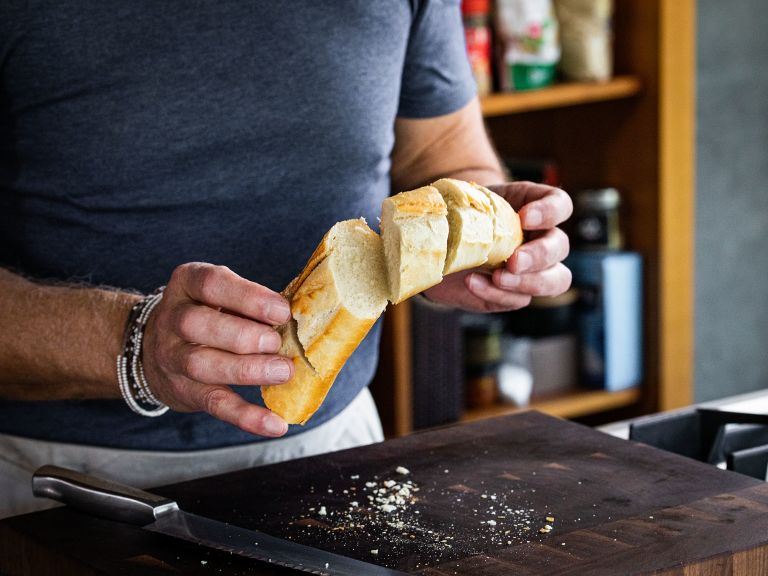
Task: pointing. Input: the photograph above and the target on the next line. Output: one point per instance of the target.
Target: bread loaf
(341, 292)
(470, 225)
(334, 302)
(507, 232)
(298, 399)
(414, 229)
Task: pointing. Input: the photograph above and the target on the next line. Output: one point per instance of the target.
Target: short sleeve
(437, 78)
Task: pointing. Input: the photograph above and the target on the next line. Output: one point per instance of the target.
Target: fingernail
(507, 280)
(278, 312)
(533, 218)
(475, 284)
(523, 261)
(269, 342)
(278, 370)
(274, 425)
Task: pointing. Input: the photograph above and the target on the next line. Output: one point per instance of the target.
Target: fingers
(213, 329)
(539, 254)
(489, 298)
(540, 206)
(204, 325)
(212, 366)
(549, 282)
(220, 287)
(468, 291)
(224, 404)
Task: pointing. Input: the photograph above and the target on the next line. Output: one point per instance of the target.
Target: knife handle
(101, 497)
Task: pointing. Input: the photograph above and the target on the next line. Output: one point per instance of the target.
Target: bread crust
(296, 400)
(428, 232)
(470, 219)
(414, 229)
(507, 231)
(324, 332)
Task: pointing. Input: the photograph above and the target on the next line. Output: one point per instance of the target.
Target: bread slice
(298, 399)
(334, 301)
(414, 229)
(507, 232)
(470, 222)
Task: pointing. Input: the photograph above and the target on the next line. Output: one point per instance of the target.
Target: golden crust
(341, 336)
(460, 194)
(321, 253)
(296, 400)
(507, 231)
(331, 341)
(420, 202)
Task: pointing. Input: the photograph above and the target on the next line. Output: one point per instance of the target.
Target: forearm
(452, 146)
(59, 342)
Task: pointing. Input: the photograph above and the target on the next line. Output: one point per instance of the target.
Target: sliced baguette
(344, 288)
(298, 399)
(507, 232)
(414, 229)
(470, 222)
(335, 301)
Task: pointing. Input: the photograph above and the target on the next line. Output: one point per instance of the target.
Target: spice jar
(596, 223)
(477, 33)
(482, 342)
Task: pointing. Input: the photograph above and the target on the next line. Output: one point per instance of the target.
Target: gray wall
(732, 198)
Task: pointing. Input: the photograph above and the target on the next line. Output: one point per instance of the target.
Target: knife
(118, 502)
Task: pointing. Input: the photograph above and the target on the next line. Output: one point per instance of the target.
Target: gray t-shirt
(136, 136)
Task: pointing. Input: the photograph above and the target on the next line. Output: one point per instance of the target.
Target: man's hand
(211, 329)
(535, 269)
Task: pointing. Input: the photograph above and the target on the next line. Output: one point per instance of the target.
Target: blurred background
(653, 115)
(731, 323)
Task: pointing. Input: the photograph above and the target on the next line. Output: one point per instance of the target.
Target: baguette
(470, 225)
(335, 301)
(414, 229)
(344, 287)
(507, 231)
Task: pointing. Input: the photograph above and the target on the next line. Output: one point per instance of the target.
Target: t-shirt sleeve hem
(436, 105)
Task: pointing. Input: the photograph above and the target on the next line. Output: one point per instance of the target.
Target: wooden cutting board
(477, 501)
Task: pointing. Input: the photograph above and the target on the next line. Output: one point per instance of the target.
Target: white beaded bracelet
(130, 371)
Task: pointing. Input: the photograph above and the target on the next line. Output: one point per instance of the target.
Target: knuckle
(249, 371)
(183, 322)
(180, 273)
(208, 280)
(213, 399)
(193, 364)
(243, 340)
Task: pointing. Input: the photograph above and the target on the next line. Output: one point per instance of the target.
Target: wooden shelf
(560, 95)
(636, 133)
(569, 405)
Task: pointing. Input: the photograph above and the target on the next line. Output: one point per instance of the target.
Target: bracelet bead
(130, 372)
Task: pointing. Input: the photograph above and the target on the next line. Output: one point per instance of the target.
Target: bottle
(482, 342)
(477, 33)
(596, 223)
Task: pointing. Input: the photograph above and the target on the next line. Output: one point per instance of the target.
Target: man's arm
(59, 342)
(211, 329)
(456, 145)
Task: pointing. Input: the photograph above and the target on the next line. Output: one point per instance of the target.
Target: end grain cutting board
(525, 494)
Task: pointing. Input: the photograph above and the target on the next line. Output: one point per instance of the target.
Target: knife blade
(155, 513)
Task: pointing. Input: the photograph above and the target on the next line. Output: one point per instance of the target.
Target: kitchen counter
(753, 402)
(481, 498)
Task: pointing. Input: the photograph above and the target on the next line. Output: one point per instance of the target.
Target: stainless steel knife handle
(100, 497)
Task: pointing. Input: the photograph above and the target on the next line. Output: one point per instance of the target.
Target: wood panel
(677, 179)
(572, 404)
(559, 95)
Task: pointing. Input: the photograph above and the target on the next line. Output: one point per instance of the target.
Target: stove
(731, 433)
